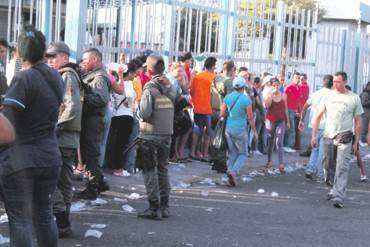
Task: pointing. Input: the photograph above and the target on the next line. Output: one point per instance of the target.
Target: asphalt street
(263, 210)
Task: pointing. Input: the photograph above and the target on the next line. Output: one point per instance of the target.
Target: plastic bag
(219, 140)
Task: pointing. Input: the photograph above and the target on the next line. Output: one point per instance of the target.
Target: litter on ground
(128, 209)
(93, 233)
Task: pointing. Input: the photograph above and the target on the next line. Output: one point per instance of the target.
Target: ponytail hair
(31, 44)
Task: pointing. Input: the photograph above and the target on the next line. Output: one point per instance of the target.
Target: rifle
(132, 145)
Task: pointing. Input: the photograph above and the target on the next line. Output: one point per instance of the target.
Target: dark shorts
(202, 121)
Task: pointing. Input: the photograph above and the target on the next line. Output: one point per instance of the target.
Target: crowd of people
(63, 121)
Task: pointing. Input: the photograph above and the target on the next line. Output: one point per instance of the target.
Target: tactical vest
(79, 79)
(161, 120)
(75, 123)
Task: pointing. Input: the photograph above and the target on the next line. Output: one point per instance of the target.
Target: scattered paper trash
(182, 186)
(93, 233)
(224, 179)
(188, 244)
(209, 209)
(261, 191)
(4, 240)
(134, 196)
(204, 193)
(78, 206)
(116, 199)
(98, 202)
(234, 196)
(133, 188)
(298, 166)
(181, 191)
(151, 233)
(128, 209)
(98, 226)
(289, 169)
(246, 179)
(77, 245)
(271, 172)
(207, 181)
(73, 188)
(182, 166)
(274, 194)
(3, 218)
(366, 157)
(253, 174)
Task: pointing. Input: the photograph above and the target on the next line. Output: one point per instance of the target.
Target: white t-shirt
(340, 111)
(315, 101)
(120, 107)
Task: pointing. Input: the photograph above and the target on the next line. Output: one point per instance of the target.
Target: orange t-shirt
(136, 83)
(200, 92)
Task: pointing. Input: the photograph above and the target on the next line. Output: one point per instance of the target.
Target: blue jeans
(236, 142)
(315, 165)
(27, 198)
(130, 159)
(289, 137)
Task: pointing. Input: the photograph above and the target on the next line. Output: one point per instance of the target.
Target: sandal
(267, 167)
(282, 169)
(184, 160)
(80, 169)
(231, 178)
(195, 158)
(173, 160)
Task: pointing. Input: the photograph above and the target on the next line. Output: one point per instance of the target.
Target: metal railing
(263, 35)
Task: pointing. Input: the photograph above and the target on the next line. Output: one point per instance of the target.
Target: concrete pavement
(205, 212)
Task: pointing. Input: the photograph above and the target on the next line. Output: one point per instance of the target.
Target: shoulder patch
(99, 84)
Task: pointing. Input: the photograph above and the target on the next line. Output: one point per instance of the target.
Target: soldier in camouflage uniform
(68, 132)
(156, 112)
(95, 104)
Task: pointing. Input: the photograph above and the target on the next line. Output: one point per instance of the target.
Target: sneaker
(165, 212)
(103, 186)
(151, 214)
(330, 195)
(122, 173)
(363, 179)
(338, 204)
(289, 150)
(257, 152)
(308, 175)
(363, 144)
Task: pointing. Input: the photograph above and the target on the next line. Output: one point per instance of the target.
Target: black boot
(152, 213)
(63, 224)
(165, 208)
(103, 186)
(90, 193)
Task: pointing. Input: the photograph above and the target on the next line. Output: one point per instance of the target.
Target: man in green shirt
(343, 111)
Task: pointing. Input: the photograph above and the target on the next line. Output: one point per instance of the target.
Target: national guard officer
(68, 132)
(156, 113)
(95, 104)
